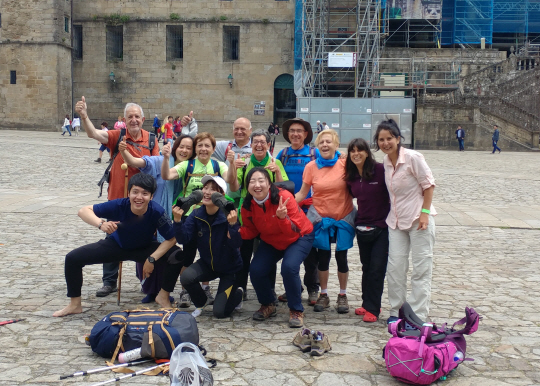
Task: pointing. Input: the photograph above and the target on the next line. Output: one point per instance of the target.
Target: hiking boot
(342, 304)
(239, 306)
(98, 160)
(312, 298)
(265, 312)
(322, 302)
(283, 297)
(296, 319)
(319, 344)
(209, 295)
(105, 290)
(302, 340)
(185, 299)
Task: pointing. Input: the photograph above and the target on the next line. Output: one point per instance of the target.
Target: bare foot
(163, 299)
(68, 310)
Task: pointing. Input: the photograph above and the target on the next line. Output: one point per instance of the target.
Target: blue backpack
(156, 333)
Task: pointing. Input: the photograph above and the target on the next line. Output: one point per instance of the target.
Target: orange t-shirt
(117, 178)
(331, 195)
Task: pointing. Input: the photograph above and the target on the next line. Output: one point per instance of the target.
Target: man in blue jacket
(495, 139)
(460, 136)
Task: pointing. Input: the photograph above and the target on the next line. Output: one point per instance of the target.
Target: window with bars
(175, 42)
(66, 23)
(115, 43)
(231, 43)
(77, 42)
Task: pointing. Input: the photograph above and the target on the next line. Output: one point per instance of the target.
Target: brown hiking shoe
(319, 344)
(296, 318)
(265, 312)
(312, 298)
(342, 304)
(303, 340)
(322, 302)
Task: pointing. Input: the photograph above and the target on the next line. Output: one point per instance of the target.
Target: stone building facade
(35, 63)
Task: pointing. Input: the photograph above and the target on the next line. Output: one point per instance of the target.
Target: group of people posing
(255, 210)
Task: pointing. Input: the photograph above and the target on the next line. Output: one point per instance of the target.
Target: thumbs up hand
(122, 146)
(186, 119)
(81, 109)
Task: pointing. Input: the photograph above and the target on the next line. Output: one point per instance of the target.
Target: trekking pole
(129, 375)
(126, 168)
(100, 369)
(10, 321)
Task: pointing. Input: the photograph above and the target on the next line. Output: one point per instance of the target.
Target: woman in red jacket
(272, 214)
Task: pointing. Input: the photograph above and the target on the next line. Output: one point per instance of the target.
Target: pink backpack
(426, 353)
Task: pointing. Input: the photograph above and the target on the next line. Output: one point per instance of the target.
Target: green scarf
(261, 164)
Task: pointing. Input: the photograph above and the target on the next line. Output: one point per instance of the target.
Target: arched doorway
(284, 99)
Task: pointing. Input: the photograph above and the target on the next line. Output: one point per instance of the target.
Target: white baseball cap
(218, 180)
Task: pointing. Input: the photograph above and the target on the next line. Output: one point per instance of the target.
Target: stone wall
(33, 43)
(436, 126)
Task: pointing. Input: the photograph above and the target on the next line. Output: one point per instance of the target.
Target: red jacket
(278, 233)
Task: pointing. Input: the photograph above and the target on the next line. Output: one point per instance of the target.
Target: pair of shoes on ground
(323, 302)
(185, 299)
(296, 318)
(315, 342)
(105, 290)
(312, 297)
(368, 316)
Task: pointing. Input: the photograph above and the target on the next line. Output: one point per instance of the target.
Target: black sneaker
(105, 290)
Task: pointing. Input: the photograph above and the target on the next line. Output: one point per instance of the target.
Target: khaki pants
(420, 244)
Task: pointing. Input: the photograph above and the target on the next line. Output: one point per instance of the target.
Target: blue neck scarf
(323, 162)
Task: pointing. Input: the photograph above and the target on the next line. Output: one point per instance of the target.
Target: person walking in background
(76, 124)
(411, 226)
(495, 139)
(157, 125)
(65, 127)
(168, 136)
(177, 127)
(104, 127)
(460, 135)
(276, 129)
(365, 178)
(319, 127)
(271, 129)
(120, 124)
(325, 126)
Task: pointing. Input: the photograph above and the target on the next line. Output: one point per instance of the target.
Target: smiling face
(358, 157)
(139, 199)
(327, 147)
(208, 189)
(242, 131)
(184, 151)
(258, 186)
(259, 147)
(387, 142)
(134, 119)
(204, 150)
(297, 135)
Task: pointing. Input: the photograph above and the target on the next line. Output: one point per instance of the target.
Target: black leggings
(324, 257)
(104, 251)
(227, 297)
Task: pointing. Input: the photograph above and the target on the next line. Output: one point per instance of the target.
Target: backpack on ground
(156, 333)
(426, 353)
(189, 367)
(107, 174)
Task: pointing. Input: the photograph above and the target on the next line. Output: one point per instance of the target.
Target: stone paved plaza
(486, 257)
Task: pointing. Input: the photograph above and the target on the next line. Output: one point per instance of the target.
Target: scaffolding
(346, 28)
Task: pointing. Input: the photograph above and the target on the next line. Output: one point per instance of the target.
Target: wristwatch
(151, 259)
(99, 226)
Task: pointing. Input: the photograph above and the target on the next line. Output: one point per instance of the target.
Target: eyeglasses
(299, 131)
(259, 142)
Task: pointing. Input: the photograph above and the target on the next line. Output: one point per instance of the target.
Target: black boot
(98, 160)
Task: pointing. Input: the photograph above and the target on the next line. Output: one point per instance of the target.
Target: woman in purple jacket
(365, 178)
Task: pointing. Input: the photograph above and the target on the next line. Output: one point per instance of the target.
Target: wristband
(99, 226)
(425, 211)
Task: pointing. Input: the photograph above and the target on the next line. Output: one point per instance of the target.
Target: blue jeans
(265, 260)
(495, 147)
(461, 146)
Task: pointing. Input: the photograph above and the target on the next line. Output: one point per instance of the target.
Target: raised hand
(272, 166)
(166, 150)
(81, 109)
(122, 146)
(230, 156)
(186, 119)
(281, 211)
(177, 213)
(232, 218)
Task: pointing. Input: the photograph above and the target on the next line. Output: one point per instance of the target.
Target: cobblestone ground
(486, 257)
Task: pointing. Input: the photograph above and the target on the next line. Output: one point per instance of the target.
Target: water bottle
(129, 356)
(458, 356)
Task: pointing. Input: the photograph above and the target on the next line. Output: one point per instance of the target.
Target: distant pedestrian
(276, 129)
(271, 129)
(157, 126)
(168, 135)
(319, 127)
(460, 136)
(495, 139)
(65, 127)
(325, 126)
(104, 127)
(76, 124)
(120, 124)
(177, 127)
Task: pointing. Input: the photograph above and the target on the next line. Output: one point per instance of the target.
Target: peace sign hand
(281, 211)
